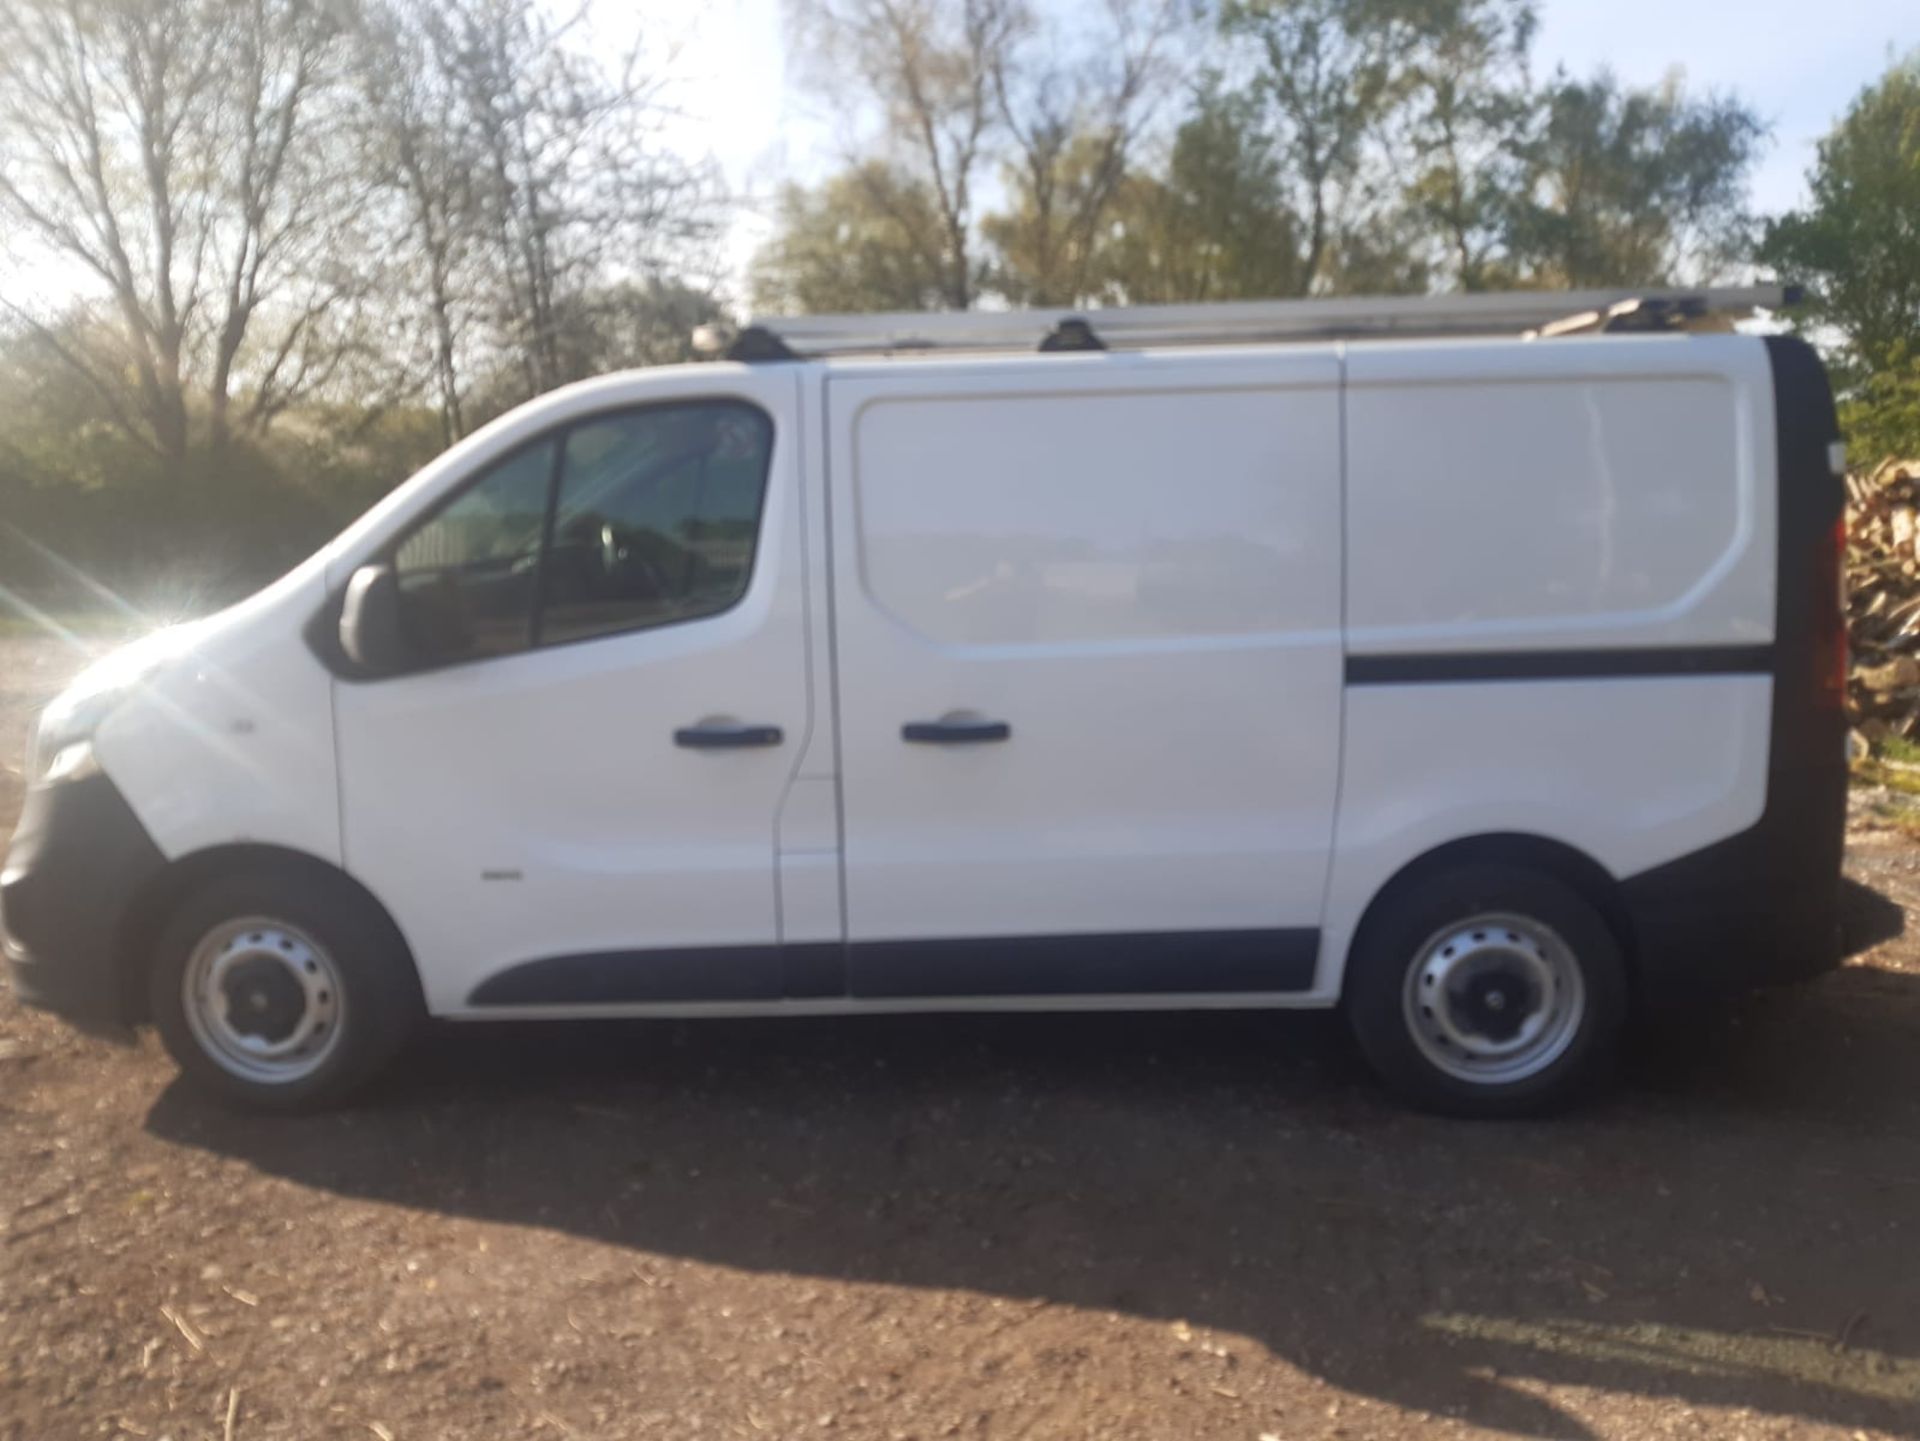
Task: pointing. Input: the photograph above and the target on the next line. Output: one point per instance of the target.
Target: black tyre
(282, 989)
(1487, 990)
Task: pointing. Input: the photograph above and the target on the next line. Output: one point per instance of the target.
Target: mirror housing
(370, 629)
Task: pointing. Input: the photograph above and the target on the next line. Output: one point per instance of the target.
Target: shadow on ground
(1713, 1234)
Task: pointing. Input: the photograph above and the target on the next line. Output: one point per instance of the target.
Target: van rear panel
(1587, 605)
(1764, 904)
(1574, 495)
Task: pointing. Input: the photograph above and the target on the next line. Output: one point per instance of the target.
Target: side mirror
(370, 629)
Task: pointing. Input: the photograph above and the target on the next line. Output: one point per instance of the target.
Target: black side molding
(609, 978)
(1151, 963)
(1636, 662)
(1146, 963)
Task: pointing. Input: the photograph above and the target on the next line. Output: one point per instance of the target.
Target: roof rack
(1533, 313)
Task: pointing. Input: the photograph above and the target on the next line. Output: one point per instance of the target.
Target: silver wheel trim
(1521, 961)
(208, 1000)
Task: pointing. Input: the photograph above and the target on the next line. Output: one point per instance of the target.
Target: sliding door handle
(725, 736)
(955, 730)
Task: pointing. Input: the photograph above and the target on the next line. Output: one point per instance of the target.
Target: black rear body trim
(1620, 664)
(1153, 963)
(1764, 905)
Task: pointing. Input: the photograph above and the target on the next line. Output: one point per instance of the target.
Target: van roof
(1528, 313)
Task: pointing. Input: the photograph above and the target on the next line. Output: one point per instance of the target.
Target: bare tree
(168, 150)
(415, 146)
(931, 66)
(578, 186)
(534, 185)
(1073, 120)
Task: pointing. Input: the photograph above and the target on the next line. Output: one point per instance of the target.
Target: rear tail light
(1830, 620)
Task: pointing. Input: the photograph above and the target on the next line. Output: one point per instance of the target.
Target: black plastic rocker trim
(1145, 963)
(1151, 963)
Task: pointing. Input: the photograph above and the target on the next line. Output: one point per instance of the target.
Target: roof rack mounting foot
(757, 343)
(1072, 333)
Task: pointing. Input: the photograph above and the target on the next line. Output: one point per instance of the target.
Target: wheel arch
(1567, 864)
(151, 908)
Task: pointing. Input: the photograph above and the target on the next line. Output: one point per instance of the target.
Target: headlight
(62, 745)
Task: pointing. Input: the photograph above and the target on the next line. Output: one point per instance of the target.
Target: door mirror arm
(371, 632)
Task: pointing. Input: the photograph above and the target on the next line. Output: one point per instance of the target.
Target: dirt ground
(1148, 1227)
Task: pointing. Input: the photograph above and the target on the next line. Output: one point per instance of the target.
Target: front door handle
(725, 736)
(955, 730)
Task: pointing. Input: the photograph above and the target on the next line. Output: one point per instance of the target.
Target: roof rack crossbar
(1524, 312)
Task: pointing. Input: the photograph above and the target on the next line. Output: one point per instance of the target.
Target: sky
(1797, 64)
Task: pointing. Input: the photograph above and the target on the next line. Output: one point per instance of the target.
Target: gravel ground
(1146, 1227)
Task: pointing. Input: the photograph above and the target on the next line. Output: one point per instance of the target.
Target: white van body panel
(232, 741)
(1679, 762)
(1128, 559)
(808, 835)
(1159, 568)
(535, 805)
(1578, 496)
(1579, 493)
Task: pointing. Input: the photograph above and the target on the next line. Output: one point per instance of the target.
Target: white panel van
(1484, 687)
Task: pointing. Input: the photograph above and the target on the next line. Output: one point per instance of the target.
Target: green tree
(1880, 410)
(1469, 106)
(1046, 242)
(1857, 246)
(1327, 77)
(1397, 126)
(1628, 186)
(869, 238)
(1216, 225)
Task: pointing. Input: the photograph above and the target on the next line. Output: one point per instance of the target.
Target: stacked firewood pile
(1883, 602)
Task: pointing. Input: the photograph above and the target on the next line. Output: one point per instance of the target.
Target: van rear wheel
(282, 990)
(1488, 990)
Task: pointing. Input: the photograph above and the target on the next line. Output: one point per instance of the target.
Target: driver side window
(656, 518)
(652, 517)
(467, 576)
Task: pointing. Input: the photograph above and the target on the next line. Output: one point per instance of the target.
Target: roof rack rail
(1533, 313)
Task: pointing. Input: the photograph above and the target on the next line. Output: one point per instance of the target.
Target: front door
(571, 801)
(1089, 663)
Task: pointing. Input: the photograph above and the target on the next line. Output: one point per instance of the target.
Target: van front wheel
(282, 991)
(1487, 990)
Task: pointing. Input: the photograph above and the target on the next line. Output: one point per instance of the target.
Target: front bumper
(79, 860)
